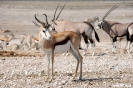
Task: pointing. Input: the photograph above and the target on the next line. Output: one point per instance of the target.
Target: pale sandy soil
(28, 69)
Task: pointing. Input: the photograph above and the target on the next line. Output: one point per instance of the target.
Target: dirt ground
(28, 69)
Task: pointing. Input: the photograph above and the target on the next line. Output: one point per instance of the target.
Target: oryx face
(52, 28)
(99, 26)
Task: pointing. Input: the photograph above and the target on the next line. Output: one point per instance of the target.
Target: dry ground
(27, 69)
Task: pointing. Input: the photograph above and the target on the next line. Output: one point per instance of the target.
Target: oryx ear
(54, 22)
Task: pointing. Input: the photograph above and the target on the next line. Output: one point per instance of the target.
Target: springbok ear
(37, 25)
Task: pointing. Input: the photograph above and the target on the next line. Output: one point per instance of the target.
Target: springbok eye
(43, 31)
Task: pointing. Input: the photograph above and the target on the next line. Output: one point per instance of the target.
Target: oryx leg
(131, 41)
(130, 32)
(92, 46)
(86, 42)
(114, 44)
(128, 41)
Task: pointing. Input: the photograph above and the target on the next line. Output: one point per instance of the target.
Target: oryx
(116, 29)
(83, 28)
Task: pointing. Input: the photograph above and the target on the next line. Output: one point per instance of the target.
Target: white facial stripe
(99, 26)
(46, 34)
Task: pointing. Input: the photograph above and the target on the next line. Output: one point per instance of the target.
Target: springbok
(28, 41)
(116, 29)
(2, 43)
(5, 41)
(59, 43)
(13, 47)
(83, 28)
(34, 44)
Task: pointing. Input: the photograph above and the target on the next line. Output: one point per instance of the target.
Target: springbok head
(100, 23)
(45, 28)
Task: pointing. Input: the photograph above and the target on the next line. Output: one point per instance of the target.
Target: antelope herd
(63, 36)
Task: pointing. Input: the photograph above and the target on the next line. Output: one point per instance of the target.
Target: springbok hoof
(46, 80)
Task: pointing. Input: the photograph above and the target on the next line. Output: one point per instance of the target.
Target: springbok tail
(96, 36)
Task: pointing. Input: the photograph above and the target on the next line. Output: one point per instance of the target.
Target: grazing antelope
(2, 43)
(5, 31)
(5, 41)
(13, 47)
(34, 44)
(116, 29)
(83, 28)
(28, 41)
(59, 43)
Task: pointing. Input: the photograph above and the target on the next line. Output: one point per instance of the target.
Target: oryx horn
(114, 7)
(60, 11)
(55, 12)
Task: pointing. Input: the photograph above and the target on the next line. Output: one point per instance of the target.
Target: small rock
(55, 83)
(59, 87)
(85, 86)
(63, 82)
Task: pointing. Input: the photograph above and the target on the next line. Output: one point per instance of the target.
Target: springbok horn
(114, 7)
(46, 20)
(39, 21)
(55, 12)
(60, 11)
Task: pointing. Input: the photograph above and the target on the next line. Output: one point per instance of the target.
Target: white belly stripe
(59, 48)
(62, 48)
